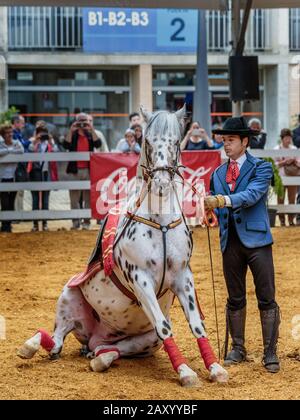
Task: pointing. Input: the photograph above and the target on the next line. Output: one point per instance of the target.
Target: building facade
(48, 73)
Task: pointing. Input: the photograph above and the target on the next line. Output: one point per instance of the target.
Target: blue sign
(139, 30)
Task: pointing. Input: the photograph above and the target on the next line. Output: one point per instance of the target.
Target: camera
(81, 124)
(44, 137)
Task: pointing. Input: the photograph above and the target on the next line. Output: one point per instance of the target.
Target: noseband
(149, 171)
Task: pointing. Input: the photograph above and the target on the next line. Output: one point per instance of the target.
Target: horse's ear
(180, 114)
(146, 114)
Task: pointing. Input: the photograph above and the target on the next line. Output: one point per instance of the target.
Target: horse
(152, 252)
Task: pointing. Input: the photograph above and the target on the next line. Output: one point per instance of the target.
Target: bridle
(149, 170)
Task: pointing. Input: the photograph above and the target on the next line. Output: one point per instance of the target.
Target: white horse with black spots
(152, 257)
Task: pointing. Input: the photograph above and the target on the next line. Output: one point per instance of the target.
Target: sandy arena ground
(34, 267)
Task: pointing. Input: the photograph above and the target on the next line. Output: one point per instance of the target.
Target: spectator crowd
(82, 136)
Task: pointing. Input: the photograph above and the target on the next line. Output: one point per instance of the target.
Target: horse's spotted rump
(78, 325)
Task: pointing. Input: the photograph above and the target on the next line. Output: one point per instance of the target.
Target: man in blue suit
(239, 191)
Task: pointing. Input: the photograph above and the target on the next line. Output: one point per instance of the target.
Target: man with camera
(42, 142)
(81, 138)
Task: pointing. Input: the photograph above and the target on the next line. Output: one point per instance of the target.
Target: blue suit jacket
(249, 210)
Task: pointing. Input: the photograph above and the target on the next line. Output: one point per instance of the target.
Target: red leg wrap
(174, 353)
(47, 341)
(207, 352)
(108, 351)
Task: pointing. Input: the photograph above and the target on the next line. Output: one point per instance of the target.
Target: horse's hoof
(218, 374)
(103, 361)
(188, 378)
(190, 382)
(27, 351)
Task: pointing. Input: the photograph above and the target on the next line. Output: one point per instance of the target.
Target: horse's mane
(162, 124)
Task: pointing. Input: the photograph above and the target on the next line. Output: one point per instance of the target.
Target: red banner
(113, 178)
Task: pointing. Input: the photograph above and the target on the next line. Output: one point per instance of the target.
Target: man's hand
(214, 201)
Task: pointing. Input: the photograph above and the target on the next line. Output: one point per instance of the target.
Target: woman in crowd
(196, 138)
(138, 130)
(284, 164)
(7, 170)
(42, 142)
(128, 143)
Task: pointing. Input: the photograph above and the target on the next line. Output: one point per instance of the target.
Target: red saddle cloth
(107, 262)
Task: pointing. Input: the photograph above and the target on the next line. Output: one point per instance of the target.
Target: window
(55, 96)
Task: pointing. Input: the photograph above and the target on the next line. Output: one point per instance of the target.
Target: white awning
(156, 4)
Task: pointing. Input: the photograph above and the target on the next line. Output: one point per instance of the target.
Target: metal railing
(258, 35)
(44, 28)
(85, 185)
(294, 29)
(60, 28)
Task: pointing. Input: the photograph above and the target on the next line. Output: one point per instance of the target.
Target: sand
(34, 267)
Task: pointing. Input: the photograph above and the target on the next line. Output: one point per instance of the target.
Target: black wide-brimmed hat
(236, 125)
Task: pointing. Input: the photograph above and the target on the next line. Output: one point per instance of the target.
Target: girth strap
(153, 224)
(164, 230)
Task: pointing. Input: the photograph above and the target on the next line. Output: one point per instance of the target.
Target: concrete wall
(141, 82)
(294, 97)
(3, 54)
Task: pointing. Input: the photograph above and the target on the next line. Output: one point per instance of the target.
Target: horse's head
(161, 147)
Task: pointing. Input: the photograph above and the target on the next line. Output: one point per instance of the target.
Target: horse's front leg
(184, 289)
(147, 299)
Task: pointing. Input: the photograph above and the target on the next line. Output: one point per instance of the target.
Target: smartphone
(197, 132)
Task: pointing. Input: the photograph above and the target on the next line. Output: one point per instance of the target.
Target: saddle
(95, 262)
(102, 255)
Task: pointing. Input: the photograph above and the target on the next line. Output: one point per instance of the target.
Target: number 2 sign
(139, 30)
(177, 29)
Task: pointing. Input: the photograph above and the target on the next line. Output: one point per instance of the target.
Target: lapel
(247, 166)
(221, 173)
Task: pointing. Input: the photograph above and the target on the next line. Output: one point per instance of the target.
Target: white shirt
(277, 160)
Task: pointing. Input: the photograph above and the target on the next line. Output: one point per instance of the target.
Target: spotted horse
(123, 309)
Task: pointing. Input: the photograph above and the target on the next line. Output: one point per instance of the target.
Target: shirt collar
(242, 159)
